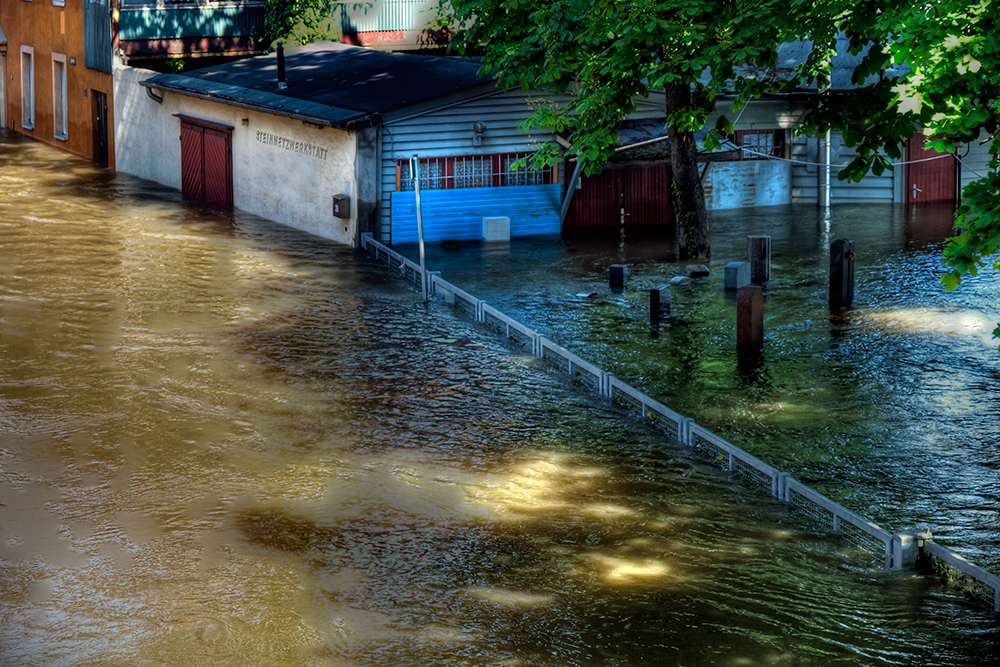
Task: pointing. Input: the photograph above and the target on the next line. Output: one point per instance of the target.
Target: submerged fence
(897, 551)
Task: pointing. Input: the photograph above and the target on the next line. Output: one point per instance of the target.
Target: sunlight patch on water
(628, 571)
(939, 320)
(513, 599)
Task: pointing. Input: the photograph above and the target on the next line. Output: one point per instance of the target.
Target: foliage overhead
(608, 52)
(924, 66)
(949, 88)
(299, 22)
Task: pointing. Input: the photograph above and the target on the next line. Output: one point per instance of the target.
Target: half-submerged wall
(282, 169)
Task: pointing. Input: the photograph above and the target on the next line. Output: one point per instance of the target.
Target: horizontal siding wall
(806, 175)
(760, 114)
(975, 160)
(448, 132)
(458, 214)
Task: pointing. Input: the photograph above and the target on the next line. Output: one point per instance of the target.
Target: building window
(760, 144)
(28, 87)
(470, 171)
(59, 96)
(59, 3)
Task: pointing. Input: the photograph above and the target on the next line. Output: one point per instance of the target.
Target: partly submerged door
(930, 175)
(100, 115)
(627, 195)
(207, 161)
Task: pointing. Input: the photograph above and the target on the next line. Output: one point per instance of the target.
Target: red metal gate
(928, 180)
(636, 196)
(207, 161)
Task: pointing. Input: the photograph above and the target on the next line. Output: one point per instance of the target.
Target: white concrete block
(496, 229)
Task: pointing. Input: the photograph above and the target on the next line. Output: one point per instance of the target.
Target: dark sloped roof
(329, 83)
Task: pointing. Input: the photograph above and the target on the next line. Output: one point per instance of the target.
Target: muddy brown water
(225, 442)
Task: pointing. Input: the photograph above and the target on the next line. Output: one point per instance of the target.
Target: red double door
(633, 196)
(930, 175)
(207, 161)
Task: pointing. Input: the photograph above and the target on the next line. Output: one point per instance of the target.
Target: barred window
(760, 144)
(471, 171)
(522, 175)
(431, 175)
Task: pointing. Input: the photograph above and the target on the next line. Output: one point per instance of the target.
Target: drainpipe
(415, 174)
(281, 67)
(826, 171)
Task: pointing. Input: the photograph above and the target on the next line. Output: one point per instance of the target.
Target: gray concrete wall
(748, 183)
(292, 180)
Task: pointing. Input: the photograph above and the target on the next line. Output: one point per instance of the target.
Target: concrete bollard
(659, 302)
(618, 276)
(759, 256)
(841, 273)
(750, 318)
(737, 275)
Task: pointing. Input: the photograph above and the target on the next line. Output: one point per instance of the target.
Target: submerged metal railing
(896, 551)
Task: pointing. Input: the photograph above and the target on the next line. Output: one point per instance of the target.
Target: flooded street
(891, 407)
(226, 442)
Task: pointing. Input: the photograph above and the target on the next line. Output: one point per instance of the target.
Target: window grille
(760, 144)
(471, 171)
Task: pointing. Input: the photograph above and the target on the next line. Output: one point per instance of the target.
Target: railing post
(684, 431)
(906, 546)
(783, 486)
(431, 283)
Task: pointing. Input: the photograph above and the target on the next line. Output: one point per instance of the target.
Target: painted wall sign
(291, 145)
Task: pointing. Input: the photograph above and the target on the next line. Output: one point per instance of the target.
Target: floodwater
(891, 407)
(225, 442)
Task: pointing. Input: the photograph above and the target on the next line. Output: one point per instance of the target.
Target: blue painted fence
(458, 214)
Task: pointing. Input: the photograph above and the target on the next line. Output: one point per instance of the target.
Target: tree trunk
(693, 238)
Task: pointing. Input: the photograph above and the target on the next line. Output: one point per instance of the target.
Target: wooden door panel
(595, 204)
(928, 180)
(192, 160)
(646, 196)
(218, 168)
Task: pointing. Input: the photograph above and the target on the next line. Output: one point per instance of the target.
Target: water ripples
(230, 443)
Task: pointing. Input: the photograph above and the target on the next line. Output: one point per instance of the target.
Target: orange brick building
(56, 74)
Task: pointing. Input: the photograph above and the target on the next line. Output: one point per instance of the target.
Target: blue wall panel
(458, 214)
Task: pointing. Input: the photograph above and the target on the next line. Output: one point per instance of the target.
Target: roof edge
(356, 121)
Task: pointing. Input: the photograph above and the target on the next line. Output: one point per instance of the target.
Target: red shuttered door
(192, 160)
(218, 167)
(928, 180)
(207, 161)
(642, 192)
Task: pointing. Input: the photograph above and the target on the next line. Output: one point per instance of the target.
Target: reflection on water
(225, 442)
(891, 407)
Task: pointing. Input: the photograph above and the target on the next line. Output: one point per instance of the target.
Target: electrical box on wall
(341, 207)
